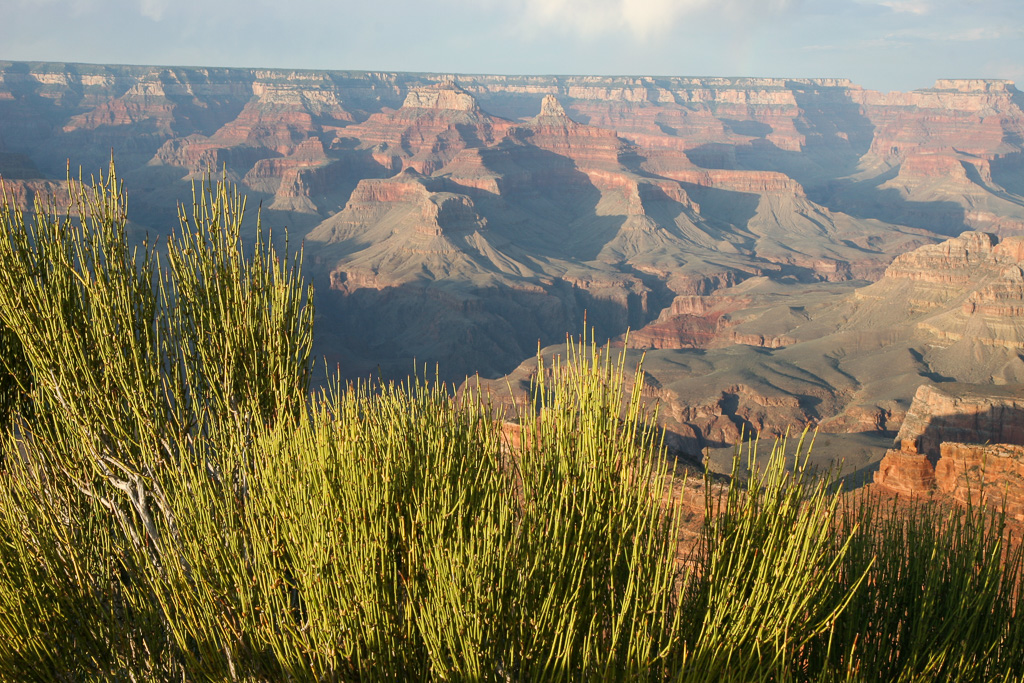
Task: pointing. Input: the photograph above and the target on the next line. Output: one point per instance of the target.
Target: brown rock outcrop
(966, 413)
(904, 470)
(989, 474)
(949, 264)
(962, 294)
(554, 131)
(955, 438)
(432, 126)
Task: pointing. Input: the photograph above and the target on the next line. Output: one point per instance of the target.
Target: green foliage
(943, 601)
(174, 504)
(120, 373)
(771, 583)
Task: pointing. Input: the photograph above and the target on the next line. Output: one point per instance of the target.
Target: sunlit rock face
(957, 438)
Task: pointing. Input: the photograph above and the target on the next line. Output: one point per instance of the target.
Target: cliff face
(431, 127)
(726, 221)
(976, 117)
(956, 437)
(964, 413)
(963, 298)
(963, 467)
(943, 156)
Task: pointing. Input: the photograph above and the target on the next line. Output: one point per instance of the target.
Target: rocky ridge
(765, 356)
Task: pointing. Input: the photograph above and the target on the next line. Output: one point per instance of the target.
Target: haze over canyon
(787, 251)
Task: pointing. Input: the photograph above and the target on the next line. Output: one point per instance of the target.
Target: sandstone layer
(962, 440)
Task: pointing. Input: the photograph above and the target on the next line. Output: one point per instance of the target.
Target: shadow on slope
(462, 330)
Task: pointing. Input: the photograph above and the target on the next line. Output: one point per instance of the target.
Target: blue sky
(880, 44)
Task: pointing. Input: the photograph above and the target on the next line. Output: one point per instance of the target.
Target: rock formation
(773, 356)
(905, 470)
(735, 225)
(968, 413)
(964, 296)
(957, 437)
(990, 474)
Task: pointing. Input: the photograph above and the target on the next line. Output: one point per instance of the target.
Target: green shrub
(771, 581)
(943, 596)
(124, 369)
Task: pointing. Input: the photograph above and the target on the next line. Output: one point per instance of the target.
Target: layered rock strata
(462, 219)
(957, 438)
(986, 474)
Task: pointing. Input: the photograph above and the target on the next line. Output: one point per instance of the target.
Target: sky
(879, 44)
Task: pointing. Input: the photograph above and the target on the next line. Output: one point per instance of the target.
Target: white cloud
(648, 17)
(153, 9)
(919, 7)
(641, 18)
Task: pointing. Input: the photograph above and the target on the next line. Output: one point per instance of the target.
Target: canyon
(782, 252)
